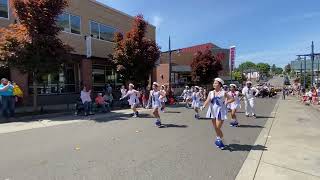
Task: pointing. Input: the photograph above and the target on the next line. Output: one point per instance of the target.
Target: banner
(232, 57)
(89, 46)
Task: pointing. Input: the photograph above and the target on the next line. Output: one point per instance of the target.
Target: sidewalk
(292, 140)
(61, 120)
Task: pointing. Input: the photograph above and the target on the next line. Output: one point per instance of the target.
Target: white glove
(201, 108)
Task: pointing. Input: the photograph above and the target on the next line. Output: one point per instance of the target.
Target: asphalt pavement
(127, 148)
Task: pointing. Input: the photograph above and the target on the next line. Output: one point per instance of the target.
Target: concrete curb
(251, 164)
(46, 122)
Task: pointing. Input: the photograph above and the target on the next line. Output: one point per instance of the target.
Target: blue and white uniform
(217, 108)
(163, 99)
(196, 100)
(236, 104)
(133, 98)
(155, 98)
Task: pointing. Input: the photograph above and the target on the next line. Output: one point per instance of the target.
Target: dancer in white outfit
(249, 94)
(133, 99)
(155, 95)
(163, 98)
(217, 101)
(234, 105)
(196, 101)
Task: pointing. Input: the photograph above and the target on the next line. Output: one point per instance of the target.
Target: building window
(103, 75)
(4, 9)
(94, 28)
(58, 83)
(103, 32)
(70, 23)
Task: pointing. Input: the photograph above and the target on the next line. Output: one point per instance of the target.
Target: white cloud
(156, 20)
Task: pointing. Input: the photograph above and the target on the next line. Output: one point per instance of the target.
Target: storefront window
(4, 9)
(75, 22)
(94, 28)
(57, 83)
(103, 75)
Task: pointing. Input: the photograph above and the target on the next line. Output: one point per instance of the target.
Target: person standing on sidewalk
(249, 94)
(284, 93)
(7, 98)
(86, 100)
(217, 101)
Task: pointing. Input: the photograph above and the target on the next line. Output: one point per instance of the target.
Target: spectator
(108, 89)
(108, 98)
(86, 100)
(314, 96)
(7, 98)
(145, 99)
(101, 103)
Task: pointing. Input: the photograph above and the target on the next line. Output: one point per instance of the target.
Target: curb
(251, 164)
(45, 122)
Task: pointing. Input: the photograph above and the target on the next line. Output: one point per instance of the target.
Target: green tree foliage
(246, 66)
(263, 68)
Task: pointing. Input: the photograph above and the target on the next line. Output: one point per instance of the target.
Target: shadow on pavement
(250, 126)
(245, 147)
(264, 117)
(172, 112)
(174, 126)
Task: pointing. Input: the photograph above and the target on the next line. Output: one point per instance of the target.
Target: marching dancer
(133, 99)
(155, 95)
(249, 94)
(217, 101)
(234, 105)
(163, 98)
(196, 101)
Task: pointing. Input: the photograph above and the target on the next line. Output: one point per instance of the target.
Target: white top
(123, 92)
(235, 96)
(133, 95)
(85, 96)
(155, 96)
(196, 96)
(249, 93)
(220, 95)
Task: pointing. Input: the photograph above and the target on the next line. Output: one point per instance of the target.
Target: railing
(59, 88)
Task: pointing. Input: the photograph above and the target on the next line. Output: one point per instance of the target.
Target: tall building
(88, 27)
(181, 60)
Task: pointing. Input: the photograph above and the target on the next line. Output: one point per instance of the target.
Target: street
(126, 148)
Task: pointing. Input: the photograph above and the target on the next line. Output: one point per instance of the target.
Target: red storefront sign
(232, 57)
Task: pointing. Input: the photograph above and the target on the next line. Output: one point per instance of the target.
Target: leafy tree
(205, 67)
(273, 68)
(33, 45)
(263, 68)
(135, 55)
(239, 76)
(246, 66)
(287, 68)
(278, 71)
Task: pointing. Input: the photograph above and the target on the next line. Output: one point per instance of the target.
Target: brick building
(88, 27)
(181, 60)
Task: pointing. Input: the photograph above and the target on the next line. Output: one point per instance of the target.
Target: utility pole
(305, 72)
(312, 63)
(170, 67)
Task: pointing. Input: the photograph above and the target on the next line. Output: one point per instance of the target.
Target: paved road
(124, 148)
(277, 81)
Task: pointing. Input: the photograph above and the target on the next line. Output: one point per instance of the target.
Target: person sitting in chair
(101, 103)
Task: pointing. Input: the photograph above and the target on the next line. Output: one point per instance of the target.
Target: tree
(239, 76)
(263, 68)
(287, 68)
(246, 66)
(278, 71)
(273, 68)
(135, 55)
(33, 46)
(205, 67)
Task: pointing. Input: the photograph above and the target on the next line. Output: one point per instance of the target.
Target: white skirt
(217, 112)
(196, 104)
(156, 104)
(235, 106)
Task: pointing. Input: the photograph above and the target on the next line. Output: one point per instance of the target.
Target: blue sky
(272, 31)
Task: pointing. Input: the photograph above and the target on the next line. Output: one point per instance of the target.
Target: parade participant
(249, 94)
(133, 99)
(185, 94)
(155, 95)
(217, 101)
(234, 105)
(196, 101)
(163, 98)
